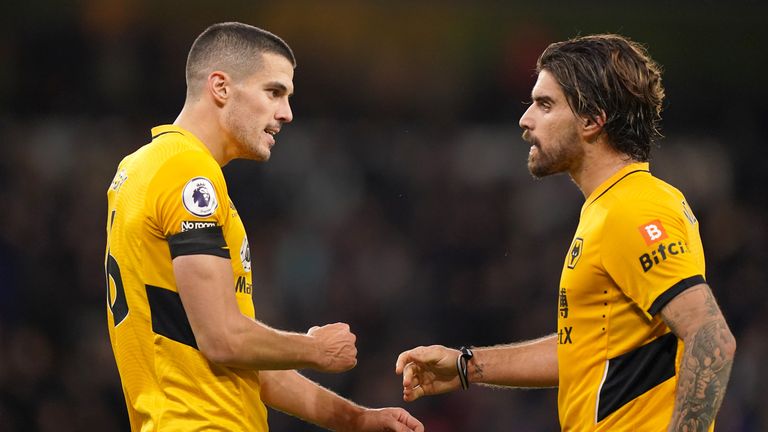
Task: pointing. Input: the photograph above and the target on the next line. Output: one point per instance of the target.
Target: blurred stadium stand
(398, 201)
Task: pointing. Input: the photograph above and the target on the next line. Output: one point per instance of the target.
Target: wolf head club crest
(575, 253)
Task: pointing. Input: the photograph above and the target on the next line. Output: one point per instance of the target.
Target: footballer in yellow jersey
(641, 344)
(169, 199)
(636, 247)
(190, 353)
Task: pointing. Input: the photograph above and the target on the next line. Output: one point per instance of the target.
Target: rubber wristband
(461, 366)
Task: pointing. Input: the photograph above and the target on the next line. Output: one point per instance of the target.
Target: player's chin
(261, 153)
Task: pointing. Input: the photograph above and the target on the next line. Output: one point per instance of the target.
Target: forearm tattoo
(703, 376)
(478, 373)
(712, 309)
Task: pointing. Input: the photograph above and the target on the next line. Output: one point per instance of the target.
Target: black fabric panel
(673, 291)
(168, 316)
(203, 241)
(634, 373)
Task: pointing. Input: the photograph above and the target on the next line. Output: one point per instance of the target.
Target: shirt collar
(615, 178)
(171, 128)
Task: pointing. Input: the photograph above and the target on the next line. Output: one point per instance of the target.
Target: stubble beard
(248, 139)
(562, 157)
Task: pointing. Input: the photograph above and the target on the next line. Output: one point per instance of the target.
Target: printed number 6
(118, 305)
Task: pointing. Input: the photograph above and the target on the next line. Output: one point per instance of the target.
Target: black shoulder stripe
(168, 316)
(673, 291)
(202, 241)
(634, 373)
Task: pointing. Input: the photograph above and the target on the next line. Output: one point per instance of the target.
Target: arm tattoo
(703, 377)
(479, 372)
(712, 309)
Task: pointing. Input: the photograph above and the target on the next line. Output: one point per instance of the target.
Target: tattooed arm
(707, 359)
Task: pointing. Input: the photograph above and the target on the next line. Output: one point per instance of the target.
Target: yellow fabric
(170, 386)
(607, 288)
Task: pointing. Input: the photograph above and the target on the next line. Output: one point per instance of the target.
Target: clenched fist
(336, 351)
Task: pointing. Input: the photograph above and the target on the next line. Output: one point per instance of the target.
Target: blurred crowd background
(398, 201)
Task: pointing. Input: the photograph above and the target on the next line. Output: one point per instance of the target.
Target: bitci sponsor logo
(652, 232)
(661, 254)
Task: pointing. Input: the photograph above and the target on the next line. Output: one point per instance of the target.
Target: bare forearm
(294, 394)
(226, 336)
(255, 345)
(526, 364)
(707, 359)
(704, 372)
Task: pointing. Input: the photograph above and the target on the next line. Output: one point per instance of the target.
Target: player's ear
(219, 86)
(592, 126)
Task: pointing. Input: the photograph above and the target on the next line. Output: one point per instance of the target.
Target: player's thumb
(403, 359)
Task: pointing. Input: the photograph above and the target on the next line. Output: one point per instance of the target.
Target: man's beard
(564, 155)
(247, 139)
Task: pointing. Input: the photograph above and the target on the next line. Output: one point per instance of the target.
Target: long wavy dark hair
(611, 75)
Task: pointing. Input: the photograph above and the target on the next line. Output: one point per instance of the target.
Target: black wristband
(461, 366)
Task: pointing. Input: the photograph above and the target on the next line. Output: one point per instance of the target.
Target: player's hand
(336, 347)
(386, 420)
(428, 371)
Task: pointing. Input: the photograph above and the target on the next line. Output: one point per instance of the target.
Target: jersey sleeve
(186, 198)
(652, 252)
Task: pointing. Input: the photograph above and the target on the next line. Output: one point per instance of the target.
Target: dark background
(398, 201)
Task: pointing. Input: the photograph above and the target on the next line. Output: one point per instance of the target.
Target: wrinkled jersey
(169, 199)
(636, 247)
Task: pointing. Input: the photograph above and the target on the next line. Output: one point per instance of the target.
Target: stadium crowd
(398, 201)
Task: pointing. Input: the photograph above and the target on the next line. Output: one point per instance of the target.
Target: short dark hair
(232, 47)
(610, 74)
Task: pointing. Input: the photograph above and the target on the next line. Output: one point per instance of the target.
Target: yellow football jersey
(169, 199)
(636, 247)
